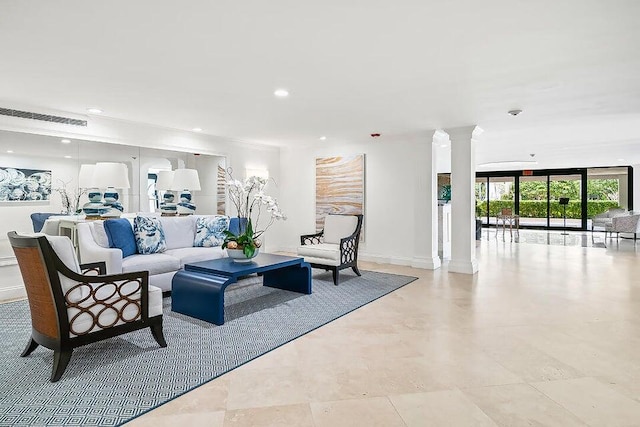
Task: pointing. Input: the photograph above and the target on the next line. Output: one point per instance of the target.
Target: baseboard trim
(363, 256)
(8, 260)
(464, 267)
(426, 263)
(12, 293)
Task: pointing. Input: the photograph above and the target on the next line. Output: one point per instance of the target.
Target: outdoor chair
(335, 247)
(70, 309)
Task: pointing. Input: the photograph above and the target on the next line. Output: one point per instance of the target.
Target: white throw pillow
(149, 235)
(210, 231)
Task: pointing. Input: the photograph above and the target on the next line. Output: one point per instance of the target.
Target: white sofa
(179, 233)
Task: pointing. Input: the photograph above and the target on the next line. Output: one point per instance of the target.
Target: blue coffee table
(198, 290)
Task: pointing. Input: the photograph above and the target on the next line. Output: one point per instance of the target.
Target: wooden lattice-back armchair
(70, 309)
(336, 246)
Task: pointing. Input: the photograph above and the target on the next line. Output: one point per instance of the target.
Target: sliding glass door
(565, 198)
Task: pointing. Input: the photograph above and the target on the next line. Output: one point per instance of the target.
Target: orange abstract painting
(339, 186)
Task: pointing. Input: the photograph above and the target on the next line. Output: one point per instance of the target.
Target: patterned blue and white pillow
(210, 231)
(149, 235)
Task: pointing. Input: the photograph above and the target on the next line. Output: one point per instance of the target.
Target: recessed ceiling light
(94, 110)
(323, 138)
(197, 129)
(67, 157)
(514, 112)
(9, 151)
(281, 93)
(65, 141)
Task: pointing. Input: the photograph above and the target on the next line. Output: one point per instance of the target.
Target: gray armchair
(603, 220)
(625, 224)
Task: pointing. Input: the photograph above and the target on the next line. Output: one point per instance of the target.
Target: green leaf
(249, 250)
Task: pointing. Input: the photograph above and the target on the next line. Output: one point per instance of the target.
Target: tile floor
(544, 335)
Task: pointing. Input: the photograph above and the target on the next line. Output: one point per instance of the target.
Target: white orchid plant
(249, 199)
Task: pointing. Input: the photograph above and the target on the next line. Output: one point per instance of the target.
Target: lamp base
(186, 208)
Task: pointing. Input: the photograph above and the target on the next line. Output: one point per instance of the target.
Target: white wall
(390, 191)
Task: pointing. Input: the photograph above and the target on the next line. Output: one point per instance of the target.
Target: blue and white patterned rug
(110, 382)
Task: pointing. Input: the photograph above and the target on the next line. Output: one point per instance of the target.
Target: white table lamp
(111, 175)
(185, 180)
(165, 183)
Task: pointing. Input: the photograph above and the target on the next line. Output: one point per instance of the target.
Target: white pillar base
(426, 263)
(464, 267)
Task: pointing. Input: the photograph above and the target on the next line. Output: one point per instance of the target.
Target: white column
(636, 188)
(426, 204)
(463, 177)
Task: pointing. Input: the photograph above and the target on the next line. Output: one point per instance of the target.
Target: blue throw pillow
(120, 235)
(210, 231)
(149, 235)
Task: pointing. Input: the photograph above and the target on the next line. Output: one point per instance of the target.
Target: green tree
(603, 189)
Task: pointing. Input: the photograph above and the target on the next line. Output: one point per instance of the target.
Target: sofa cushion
(153, 263)
(210, 231)
(322, 250)
(321, 261)
(149, 235)
(189, 255)
(338, 227)
(120, 235)
(179, 231)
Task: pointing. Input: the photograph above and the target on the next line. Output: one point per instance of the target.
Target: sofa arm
(91, 252)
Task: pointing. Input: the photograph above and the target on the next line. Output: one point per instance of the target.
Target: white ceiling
(354, 67)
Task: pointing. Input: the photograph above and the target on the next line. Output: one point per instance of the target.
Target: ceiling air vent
(42, 117)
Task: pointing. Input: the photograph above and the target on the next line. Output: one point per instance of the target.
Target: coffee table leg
(199, 295)
(296, 278)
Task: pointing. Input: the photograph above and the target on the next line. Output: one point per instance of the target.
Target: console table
(198, 290)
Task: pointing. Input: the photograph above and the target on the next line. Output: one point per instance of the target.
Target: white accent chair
(335, 247)
(625, 224)
(603, 220)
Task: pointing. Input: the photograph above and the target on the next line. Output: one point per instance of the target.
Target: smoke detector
(514, 112)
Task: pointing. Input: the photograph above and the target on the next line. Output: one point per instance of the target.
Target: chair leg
(32, 345)
(60, 362)
(158, 335)
(336, 276)
(355, 270)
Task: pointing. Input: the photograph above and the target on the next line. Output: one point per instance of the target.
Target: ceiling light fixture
(94, 110)
(323, 138)
(197, 129)
(514, 112)
(9, 151)
(67, 157)
(281, 93)
(65, 141)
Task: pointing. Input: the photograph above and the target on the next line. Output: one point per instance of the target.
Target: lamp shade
(165, 180)
(186, 179)
(85, 177)
(108, 174)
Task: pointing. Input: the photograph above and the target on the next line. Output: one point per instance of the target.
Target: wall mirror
(35, 168)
